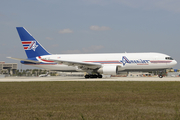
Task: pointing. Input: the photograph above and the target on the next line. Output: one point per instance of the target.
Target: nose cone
(174, 62)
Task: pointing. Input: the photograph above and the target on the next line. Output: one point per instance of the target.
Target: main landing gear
(93, 76)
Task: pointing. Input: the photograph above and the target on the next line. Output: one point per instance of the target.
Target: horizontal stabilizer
(33, 61)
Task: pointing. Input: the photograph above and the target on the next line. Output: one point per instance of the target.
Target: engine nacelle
(108, 70)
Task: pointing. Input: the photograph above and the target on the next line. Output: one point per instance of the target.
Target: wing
(33, 61)
(81, 65)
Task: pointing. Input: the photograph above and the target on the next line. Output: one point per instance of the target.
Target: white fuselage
(126, 61)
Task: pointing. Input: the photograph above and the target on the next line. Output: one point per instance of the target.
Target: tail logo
(30, 45)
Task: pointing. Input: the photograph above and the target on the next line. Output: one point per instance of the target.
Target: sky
(91, 26)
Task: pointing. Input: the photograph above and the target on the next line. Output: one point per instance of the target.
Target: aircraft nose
(174, 62)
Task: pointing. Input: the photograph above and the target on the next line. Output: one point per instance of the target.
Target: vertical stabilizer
(32, 47)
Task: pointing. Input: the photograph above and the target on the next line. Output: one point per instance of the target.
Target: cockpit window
(168, 58)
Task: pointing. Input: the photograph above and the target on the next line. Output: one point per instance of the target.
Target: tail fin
(32, 47)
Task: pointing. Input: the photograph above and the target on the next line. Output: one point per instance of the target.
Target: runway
(35, 79)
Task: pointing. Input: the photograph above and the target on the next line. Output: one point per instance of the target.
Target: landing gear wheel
(99, 76)
(160, 76)
(86, 76)
(93, 76)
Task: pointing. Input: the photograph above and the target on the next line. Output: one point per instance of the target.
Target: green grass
(90, 100)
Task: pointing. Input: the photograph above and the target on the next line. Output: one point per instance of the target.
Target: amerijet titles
(125, 60)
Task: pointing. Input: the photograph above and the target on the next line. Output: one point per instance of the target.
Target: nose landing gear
(160, 74)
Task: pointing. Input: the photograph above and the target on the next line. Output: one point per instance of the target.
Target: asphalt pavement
(58, 78)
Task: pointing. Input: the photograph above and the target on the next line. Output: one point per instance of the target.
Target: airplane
(44, 75)
(95, 65)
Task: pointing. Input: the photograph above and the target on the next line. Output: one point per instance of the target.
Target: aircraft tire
(95, 76)
(86, 76)
(160, 76)
(92, 76)
(99, 76)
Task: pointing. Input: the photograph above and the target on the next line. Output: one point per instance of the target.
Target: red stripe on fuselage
(45, 60)
(105, 62)
(160, 61)
(101, 61)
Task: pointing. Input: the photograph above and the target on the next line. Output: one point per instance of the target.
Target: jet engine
(108, 70)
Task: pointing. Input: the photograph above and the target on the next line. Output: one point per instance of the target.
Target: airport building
(8, 68)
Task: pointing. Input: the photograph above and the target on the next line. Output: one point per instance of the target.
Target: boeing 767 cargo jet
(94, 64)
